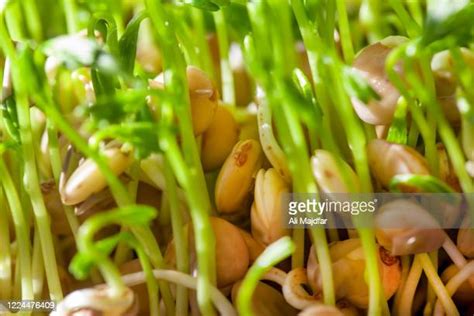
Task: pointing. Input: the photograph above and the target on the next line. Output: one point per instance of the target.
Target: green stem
(70, 9)
(411, 27)
(151, 283)
(345, 33)
(12, 16)
(204, 53)
(227, 78)
(180, 238)
(371, 16)
(20, 225)
(32, 186)
(273, 254)
(5, 252)
(32, 18)
(37, 267)
(416, 11)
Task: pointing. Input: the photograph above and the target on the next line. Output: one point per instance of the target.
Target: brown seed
(387, 160)
(267, 213)
(232, 254)
(266, 301)
(219, 139)
(329, 173)
(87, 178)
(404, 228)
(446, 169)
(203, 95)
(371, 64)
(236, 176)
(348, 260)
(254, 247)
(446, 82)
(465, 240)
(204, 98)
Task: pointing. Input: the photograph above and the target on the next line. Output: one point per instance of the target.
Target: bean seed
(267, 301)
(219, 139)
(236, 176)
(446, 82)
(266, 213)
(465, 239)
(232, 255)
(387, 160)
(404, 228)
(349, 282)
(203, 95)
(87, 178)
(327, 172)
(371, 63)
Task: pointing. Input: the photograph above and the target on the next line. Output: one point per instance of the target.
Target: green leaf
(131, 215)
(82, 263)
(10, 118)
(105, 24)
(398, 132)
(134, 215)
(311, 113)
(141, 135)
(128, 43)
(237, 21)
(104, 83)
(114, 108)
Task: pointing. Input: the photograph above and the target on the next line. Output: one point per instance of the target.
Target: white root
(459, 278)
(270, 146)
(220, 301)
(275, 275)
(294, 293)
